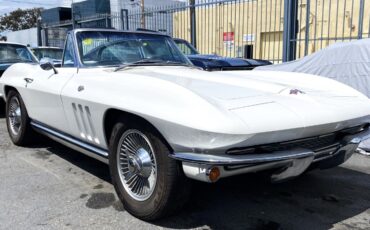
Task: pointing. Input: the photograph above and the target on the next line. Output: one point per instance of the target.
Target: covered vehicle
(213, 62)
(49, 54)
(346, 62)
(11, 53)
(134, 101)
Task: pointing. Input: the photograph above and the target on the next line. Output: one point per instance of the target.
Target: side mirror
(47, 64)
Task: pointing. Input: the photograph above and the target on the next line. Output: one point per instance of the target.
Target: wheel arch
(7, 89)
(111, 117)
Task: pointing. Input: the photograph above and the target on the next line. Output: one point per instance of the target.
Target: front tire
(149, 183)
(17, 120)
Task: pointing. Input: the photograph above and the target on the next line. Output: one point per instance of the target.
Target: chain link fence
(275, 30)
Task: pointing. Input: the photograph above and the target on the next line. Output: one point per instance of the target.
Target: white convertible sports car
(134, 101)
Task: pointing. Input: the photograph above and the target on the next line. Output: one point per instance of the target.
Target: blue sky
(7, 6)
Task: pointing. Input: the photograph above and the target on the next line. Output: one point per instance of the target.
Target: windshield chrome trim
(78, 60)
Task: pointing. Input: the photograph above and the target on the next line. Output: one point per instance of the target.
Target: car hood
(247, 85)
(289, 100)
(5, 66)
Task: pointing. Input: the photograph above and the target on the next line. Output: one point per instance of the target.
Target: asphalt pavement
(52, 187)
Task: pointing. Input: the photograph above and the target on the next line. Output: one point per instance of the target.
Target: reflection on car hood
(218, 61)
(215, 62)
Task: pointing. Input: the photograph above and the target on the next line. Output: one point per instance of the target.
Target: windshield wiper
(136, 63)
(148, 61)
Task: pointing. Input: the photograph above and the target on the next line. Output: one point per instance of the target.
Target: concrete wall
(24, 37)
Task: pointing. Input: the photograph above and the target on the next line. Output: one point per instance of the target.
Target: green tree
(20, 19)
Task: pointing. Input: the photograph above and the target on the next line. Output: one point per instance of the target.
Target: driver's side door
(44, 89)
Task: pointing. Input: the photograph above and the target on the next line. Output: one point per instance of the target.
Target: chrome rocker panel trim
(73, 143)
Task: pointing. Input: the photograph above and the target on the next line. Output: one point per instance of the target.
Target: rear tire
(17, 120)
(2, 108)
(161, 188)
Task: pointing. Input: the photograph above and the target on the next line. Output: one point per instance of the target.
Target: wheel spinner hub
(140, 163)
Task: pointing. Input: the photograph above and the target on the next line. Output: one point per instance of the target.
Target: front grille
(313, 143)
(318, 144)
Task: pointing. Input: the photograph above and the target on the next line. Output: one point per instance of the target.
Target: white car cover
(347, 62)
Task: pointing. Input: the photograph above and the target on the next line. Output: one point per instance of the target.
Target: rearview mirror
(46, 64)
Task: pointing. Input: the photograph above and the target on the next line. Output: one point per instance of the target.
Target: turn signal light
(214, 174)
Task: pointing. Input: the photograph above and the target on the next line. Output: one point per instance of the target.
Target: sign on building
(248, 38)
(228, 38)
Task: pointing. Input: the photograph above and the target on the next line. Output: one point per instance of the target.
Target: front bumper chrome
(290, 163)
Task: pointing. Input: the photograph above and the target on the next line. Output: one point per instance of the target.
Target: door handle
(80, 88)
(28, 80)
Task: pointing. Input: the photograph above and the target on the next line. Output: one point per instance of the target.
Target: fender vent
(84, 123)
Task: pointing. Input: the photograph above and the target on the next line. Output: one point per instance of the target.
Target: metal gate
(314, 24)
(275, 30)
(236, 28)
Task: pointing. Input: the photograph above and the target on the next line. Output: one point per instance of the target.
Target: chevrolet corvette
(135, 102)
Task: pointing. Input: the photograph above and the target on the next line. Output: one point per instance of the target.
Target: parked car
(212, 62)
(346, 62)
(135, 102)
(11, 53)
(49, 54)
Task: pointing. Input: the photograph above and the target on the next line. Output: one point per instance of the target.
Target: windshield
(185, 47)
(11, 53)
(117, 48)
(51, 53)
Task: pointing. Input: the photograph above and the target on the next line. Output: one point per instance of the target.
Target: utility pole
(142, 6)
(73, 16)
(193, 24)
(39, 28)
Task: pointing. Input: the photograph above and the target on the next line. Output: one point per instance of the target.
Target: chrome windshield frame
(78, 60)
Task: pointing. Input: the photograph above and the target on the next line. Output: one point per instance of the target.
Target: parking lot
(52, 187)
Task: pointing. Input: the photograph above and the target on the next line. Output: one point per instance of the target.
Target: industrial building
(256, 28)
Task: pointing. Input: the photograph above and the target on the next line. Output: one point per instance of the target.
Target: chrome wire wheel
(15, 116)
(137, 165)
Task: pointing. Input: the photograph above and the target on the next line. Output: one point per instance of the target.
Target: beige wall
(263, 20)
(333, 19)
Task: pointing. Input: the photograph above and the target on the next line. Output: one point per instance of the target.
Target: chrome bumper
(291, 163)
